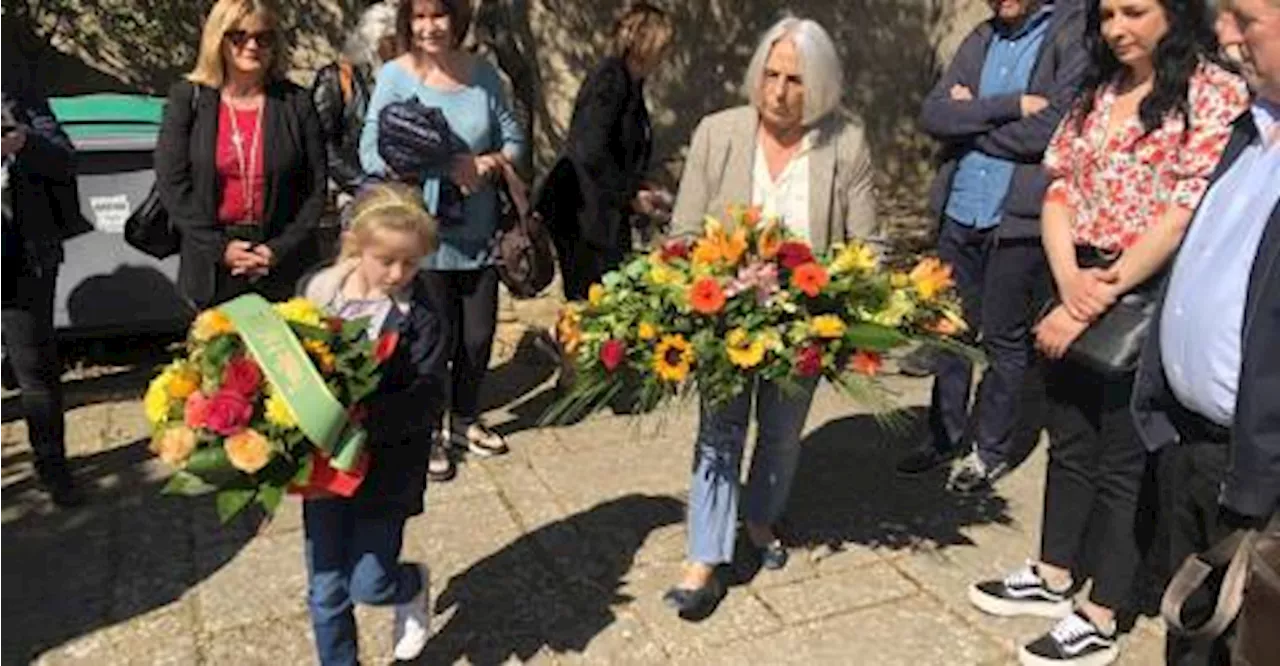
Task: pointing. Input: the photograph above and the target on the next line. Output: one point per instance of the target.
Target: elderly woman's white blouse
(787, 196)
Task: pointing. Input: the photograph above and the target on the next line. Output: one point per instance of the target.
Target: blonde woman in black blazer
(246, 209)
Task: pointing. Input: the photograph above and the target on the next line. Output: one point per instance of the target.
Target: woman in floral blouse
(1127, 167)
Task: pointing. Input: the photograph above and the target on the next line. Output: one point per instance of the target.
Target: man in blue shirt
(995, 109)
(1206, 391)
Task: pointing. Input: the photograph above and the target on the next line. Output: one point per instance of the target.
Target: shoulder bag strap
(1233, 552)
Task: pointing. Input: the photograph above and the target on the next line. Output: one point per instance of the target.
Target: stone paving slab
(555, 554)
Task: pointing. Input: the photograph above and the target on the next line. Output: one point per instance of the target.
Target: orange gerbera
(706, 296)
(930, 277)
(810, 278)
(866, 363)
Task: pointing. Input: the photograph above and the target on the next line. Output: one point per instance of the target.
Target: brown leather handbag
(1249, 596)
(524, 257)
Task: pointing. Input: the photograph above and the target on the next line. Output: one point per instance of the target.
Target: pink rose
(196, 411)
(228, 412)
(241, 376)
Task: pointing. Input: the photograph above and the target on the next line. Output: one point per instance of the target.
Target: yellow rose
(300, 310)
(183, 383)
(210, 324)
(248, 450)
(826, 326)
(279, 413)
(174, 445)
(156, 402)
(595, 295)
(744, 350)
(647, 331)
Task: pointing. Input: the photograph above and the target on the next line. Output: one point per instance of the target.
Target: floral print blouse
(1119, 186)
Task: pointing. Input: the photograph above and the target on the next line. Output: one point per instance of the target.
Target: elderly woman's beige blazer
(721, 157)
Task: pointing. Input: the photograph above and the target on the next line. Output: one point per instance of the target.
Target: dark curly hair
(1189, 42)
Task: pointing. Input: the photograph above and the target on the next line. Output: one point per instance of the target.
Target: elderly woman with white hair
(341, 94)
(793, 154)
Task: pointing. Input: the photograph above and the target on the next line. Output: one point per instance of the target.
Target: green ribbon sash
(286, 365)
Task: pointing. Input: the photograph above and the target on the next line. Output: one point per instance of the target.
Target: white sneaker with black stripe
(1074, 641)
(1023, 592)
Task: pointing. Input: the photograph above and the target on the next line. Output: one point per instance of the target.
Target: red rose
(612, 354)
(793, 254)
(241, 376)
(228, 412)
(676, 248)
(809, 361)
(386, 346)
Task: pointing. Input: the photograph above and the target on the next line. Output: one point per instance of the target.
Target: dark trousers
(352, 557)
(1002, 283)
(1191, 474)
(467, 302)
(582, 265)
(32, 350)
(1095, 473)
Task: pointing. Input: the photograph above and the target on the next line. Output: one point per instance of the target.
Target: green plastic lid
(105, 120)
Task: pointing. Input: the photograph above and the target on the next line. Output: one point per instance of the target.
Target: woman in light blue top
(462, 282)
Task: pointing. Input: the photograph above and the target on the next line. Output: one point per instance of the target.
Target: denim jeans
(352, 557)
(722, 434)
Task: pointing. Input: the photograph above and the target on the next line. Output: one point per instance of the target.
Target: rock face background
(893, 50)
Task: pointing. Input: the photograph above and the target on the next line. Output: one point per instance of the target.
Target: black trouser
(1095, 472)
(1191, 474)
(467, 303)
(582, 265)
(32, 350)
(1002, 283)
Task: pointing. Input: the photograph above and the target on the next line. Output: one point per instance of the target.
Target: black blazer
(1252, 483)
(609, 146)
(187, 178)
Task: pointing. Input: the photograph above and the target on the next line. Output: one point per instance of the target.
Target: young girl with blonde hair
(353, 544)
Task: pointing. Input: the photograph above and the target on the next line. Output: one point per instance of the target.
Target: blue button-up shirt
(982, 181)
(1201, 329)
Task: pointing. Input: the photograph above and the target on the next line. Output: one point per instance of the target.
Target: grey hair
(820, 66)
(376, 23)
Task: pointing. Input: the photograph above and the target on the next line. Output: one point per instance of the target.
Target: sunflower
(744, 350)
(827, 327)
(672, 358)
(278, 412)
(706, 296)
(810, 278)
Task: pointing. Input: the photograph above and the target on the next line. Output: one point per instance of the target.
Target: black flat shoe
(694, 605)
(923, 459)
(773, 556)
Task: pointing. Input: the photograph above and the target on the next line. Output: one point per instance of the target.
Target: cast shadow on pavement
(129, 551)
(552, 589)
(846, 491)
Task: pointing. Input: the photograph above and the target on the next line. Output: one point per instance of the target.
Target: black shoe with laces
(1074, 641)
(1023, 592)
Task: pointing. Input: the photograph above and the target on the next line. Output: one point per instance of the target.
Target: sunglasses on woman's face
(264, 39)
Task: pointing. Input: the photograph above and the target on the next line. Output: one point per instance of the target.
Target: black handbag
(524, 258)
(149, 229)
(1113, 343)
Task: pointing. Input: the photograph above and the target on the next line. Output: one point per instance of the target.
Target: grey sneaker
(972, 475)
(480, 441)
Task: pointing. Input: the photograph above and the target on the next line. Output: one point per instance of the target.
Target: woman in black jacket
(592, 190)
(240, 162)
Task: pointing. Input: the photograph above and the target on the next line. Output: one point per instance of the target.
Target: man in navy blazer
(1208, 389)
